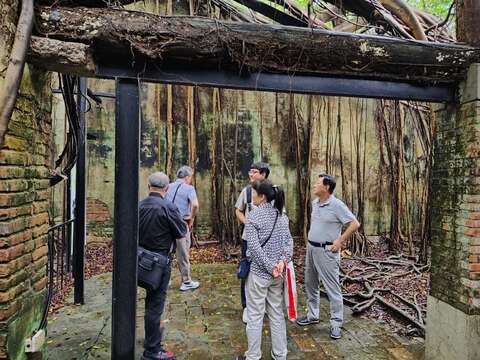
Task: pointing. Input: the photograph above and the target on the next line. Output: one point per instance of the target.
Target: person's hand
(278, 269)
(190, 223)
(281, 266)
(336, 246)
(276, 272)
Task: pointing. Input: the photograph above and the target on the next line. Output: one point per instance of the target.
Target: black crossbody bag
(151, 268)
(244, 265)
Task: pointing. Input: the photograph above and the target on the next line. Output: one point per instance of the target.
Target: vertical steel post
(127, 160)
(68, 228)
(80, 200)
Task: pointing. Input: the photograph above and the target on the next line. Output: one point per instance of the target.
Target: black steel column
(125, 234)
(80, 201)
(68, 216)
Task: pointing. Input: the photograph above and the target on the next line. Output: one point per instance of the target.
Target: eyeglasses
(253, 171)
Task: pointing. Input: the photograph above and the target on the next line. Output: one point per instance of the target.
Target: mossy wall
(251, 126)
(25, 164)
(298, 135)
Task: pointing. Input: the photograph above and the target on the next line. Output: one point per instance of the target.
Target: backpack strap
(271, 232)
(249, 197)
(176, 191)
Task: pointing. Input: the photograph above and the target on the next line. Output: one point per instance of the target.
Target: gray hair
(184, 171)
(159, 180)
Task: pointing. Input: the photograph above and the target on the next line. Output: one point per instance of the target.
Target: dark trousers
(154, 305)
(243, 281)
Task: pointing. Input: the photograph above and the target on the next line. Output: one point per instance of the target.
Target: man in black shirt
(160, 223)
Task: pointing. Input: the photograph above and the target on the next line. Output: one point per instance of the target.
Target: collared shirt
(160, 223)
(186, 194)
(279, 247)
(328, 219)
(241, 205)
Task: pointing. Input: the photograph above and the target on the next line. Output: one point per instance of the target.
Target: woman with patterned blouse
(270, 245)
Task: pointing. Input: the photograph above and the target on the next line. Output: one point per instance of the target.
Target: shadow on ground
(206, 324)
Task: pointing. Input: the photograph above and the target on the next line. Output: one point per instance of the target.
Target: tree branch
(14, 73)
(404, 12)
(194, 41)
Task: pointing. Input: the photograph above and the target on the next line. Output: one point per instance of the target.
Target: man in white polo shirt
(325, 240)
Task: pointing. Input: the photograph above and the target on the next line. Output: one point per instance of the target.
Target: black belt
(322, 245)
(164, 252)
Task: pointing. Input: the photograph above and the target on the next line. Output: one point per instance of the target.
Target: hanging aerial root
(14, 73)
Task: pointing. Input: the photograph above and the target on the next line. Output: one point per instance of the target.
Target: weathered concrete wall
(451, 333)
(338, 134)
(455, 216)
(24, 200)
(252, 126)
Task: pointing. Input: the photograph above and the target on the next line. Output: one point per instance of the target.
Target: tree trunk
(468, 12)
(208, 43)
(61, 56)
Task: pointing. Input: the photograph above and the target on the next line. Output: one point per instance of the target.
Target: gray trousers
(265, 295)
(183, 256)
(323, 265)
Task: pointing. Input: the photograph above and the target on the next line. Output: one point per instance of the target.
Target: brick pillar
(24, 201)
(453, 309)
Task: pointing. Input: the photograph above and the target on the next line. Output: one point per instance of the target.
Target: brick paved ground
(206, 324)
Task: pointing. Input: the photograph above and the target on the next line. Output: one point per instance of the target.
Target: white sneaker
(191, 285)
(244, 316)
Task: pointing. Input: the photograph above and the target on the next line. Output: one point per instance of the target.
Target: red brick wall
(24, 200)
(97, 211)
(455, 208)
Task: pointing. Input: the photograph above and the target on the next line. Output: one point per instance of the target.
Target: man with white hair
(183, 194)
(160, 223)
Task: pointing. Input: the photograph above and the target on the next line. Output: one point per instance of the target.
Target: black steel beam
(272, 13)
(303, 84)
(80, 201)
(125, 233)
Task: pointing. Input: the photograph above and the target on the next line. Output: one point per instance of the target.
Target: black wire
(67, 85)
(48, 300)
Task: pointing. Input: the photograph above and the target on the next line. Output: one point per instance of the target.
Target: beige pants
(265, 295)
(183, 256)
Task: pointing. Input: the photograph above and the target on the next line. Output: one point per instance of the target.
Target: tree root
(374, 279)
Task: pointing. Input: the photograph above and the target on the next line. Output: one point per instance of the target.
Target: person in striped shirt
(269, 246)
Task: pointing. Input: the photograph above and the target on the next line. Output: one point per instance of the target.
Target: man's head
(325, 185)
(185, 173)
(258, 171)
(158, 182)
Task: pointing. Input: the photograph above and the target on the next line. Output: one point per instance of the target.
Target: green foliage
(438, 8)
(303, 3)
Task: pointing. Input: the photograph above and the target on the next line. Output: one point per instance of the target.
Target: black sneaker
(241, 357)
(304, 320)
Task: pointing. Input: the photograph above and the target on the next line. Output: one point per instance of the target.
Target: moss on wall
(25, 164)
(253, 126)
(298, 135)
(24, 323)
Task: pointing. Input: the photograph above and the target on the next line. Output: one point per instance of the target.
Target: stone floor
(206, 324)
